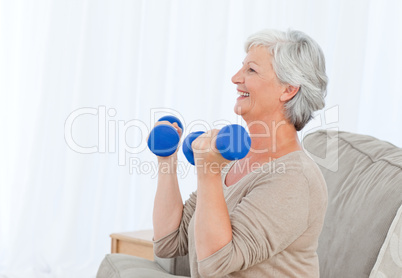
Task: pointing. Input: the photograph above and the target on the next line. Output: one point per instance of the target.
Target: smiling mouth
(243, 94)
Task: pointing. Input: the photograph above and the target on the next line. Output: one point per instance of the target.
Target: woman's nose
(238, 77)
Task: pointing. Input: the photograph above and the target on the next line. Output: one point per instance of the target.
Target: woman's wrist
(208, 177)
(167, 165)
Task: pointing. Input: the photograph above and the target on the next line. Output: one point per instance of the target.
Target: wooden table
(138, 243)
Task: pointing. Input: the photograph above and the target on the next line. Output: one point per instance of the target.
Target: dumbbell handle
(233, 142)
(164, 139)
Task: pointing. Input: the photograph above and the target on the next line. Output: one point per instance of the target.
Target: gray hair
(297, 61)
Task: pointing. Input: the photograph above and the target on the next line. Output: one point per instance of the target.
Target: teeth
(243, 94)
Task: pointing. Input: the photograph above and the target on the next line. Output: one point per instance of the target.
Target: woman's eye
(251, 70)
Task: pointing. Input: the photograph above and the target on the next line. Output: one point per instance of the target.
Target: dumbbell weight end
(164, 139)
(187, 149)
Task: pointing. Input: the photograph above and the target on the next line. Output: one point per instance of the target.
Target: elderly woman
(249, 219)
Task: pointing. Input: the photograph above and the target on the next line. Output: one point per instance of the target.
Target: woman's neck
(271, 139)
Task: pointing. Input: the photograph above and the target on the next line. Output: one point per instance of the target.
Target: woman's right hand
(173, 157)
(168, 204)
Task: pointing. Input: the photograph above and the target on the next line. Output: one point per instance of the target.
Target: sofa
(362, 232)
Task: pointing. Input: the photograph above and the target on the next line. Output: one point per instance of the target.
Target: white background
(121, 60)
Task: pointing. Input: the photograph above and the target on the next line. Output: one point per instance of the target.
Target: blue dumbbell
(164, 139)
(233, 142)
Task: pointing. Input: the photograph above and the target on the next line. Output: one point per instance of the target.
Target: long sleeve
(268, 219)
(276, 214)
(176, 243)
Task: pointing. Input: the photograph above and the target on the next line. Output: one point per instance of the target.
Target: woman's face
(258, 80)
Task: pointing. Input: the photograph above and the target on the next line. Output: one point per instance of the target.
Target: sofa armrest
(176, 266)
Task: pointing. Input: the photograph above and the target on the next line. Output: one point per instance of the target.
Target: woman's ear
(289, 93)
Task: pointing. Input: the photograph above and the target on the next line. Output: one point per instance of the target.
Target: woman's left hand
(211, 212)
(207, 158)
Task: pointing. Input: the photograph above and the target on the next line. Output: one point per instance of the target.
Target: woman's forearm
(168, 204)
(213, 228)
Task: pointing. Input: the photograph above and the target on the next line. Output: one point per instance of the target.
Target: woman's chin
(239, 110)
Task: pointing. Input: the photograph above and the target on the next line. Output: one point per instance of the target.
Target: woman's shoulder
(295, 167)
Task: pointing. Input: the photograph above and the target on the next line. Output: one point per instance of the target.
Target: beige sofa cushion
(126, 266)
(364, 179)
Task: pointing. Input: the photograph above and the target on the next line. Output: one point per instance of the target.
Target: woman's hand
(211, 213)
(168, 204)
(207, 158)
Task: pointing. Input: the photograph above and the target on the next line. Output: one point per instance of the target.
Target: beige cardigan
(276, 212)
